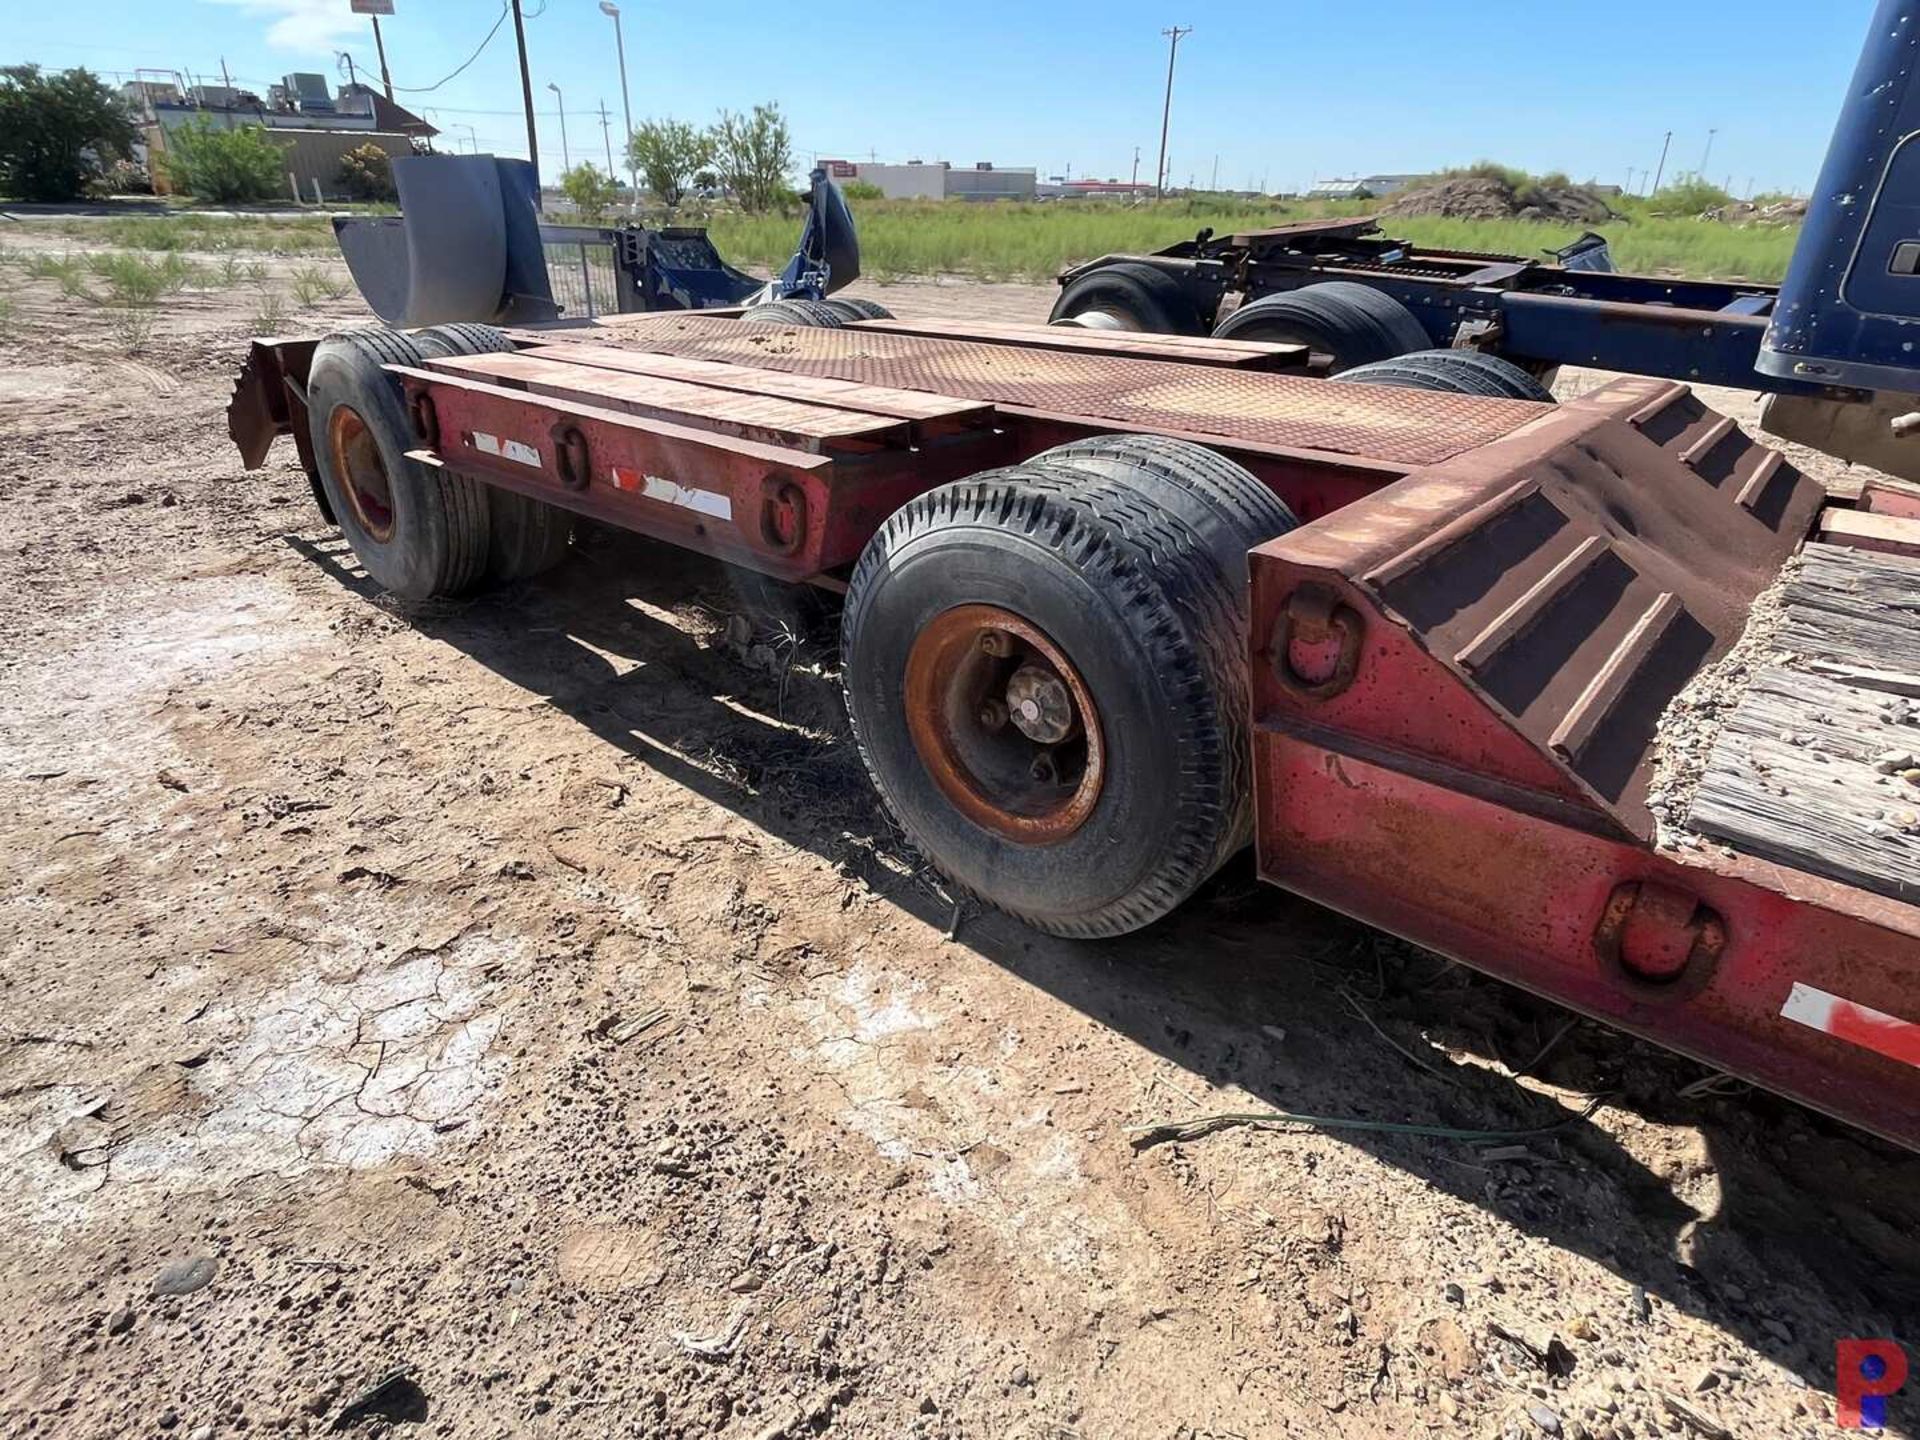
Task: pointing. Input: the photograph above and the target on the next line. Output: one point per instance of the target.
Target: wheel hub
(1004, 724)
(362, 473)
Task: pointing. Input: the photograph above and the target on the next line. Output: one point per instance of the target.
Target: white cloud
(304, 25)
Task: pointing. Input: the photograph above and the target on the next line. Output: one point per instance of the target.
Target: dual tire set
(1352, 331)
(1044, 665)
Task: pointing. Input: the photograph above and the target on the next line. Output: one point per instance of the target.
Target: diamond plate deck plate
(1405, 427)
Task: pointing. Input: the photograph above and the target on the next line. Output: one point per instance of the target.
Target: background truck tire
(857, 309)
(1138, 295)
(1456, 372)
(1126, 570)
(817, 313)
(526, 537)
(1343, 323)
(419, 532)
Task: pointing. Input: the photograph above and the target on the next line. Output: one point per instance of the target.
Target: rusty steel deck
(1237, 406)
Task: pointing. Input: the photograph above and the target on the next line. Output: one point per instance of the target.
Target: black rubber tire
(1143, 296)
(1130, 554)
(1456, 372)
(818, 313)
(438, 539)
(1348, 322)
(856, 309)
(526, 537)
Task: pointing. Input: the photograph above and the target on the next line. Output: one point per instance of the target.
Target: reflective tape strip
(506, 449)
(1855, 1023)
(655, 487)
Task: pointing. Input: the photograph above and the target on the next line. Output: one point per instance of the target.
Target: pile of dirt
(1480, 197)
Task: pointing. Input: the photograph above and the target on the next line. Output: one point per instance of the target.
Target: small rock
(120, 1321)
(1021, 1377)
(1911, 776)
(183, 1277)
(168, 1419)
(1455, 1295)
(927, 1405)
(1581, 1328)
(200, 1432)
(1547, 1419)
(1708, 1380)
(745, 1283)
(1779, 1330)
(1892, 762)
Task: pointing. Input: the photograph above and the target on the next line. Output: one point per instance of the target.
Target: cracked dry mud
(512, 1018)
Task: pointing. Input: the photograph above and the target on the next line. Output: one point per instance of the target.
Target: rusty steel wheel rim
(363, 474)
(1004, 724)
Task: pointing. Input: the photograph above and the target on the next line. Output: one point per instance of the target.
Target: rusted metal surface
(1476, 783)
(1548, 593)
(1397, 427)
(260, 409)
(356, 460)
(1560, 911)
(1004, 724)
(784, 511)
(1229, 354)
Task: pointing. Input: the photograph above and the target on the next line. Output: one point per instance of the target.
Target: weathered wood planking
(768, 418)
(1855, 608)
(931, 414)
(1193, 350)
(1818, 806)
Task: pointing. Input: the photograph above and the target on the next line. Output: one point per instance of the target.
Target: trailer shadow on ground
(1255, 990)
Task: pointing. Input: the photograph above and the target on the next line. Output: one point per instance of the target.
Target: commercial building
(314, 125)
(939, 179)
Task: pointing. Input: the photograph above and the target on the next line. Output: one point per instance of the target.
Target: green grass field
(1033, 242)
(899, 238)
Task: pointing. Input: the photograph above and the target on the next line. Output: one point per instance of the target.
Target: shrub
(225, 166)
(592, 192)
(755, 154)
(57, 131)
(669, 153)
(366, 173)
(1689, 195)
(862, 190)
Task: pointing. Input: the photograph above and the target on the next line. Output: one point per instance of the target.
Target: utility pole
(566, 156)
(473, 136)
(226, 81)
(606, 134)
(526, 98)
(1173, 34)
(1706, 152)
(1214, 184)
(1135, 182)
(1656, 174)
(381, 46)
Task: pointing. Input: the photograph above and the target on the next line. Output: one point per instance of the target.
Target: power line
(499, 20)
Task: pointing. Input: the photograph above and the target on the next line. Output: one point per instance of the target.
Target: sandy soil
(514, 1018)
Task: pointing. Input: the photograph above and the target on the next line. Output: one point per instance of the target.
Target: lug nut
(996, 643)
(1043, 770)
(993, 715)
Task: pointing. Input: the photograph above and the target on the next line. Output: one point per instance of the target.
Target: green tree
(592, 191)
(862, 190)
(226, 166)
(668, 153)
(58, 132)
(366, 173)
(754, 154)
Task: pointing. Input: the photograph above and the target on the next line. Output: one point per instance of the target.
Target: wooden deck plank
(931, 414)
(1856, 608)
(755, 416)
(1793, 778)
(1194, 350)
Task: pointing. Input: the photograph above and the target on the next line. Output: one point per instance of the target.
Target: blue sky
(1284, 90)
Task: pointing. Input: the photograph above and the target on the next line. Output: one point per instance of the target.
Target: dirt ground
(514, 1018)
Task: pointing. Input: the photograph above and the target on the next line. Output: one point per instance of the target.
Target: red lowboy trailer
(1116, 604)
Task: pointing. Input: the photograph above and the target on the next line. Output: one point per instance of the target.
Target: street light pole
(1173, 35)
(607, 7)
(526, 97)
(566, 157)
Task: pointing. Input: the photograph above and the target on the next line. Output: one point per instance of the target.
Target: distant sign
(372, 7)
